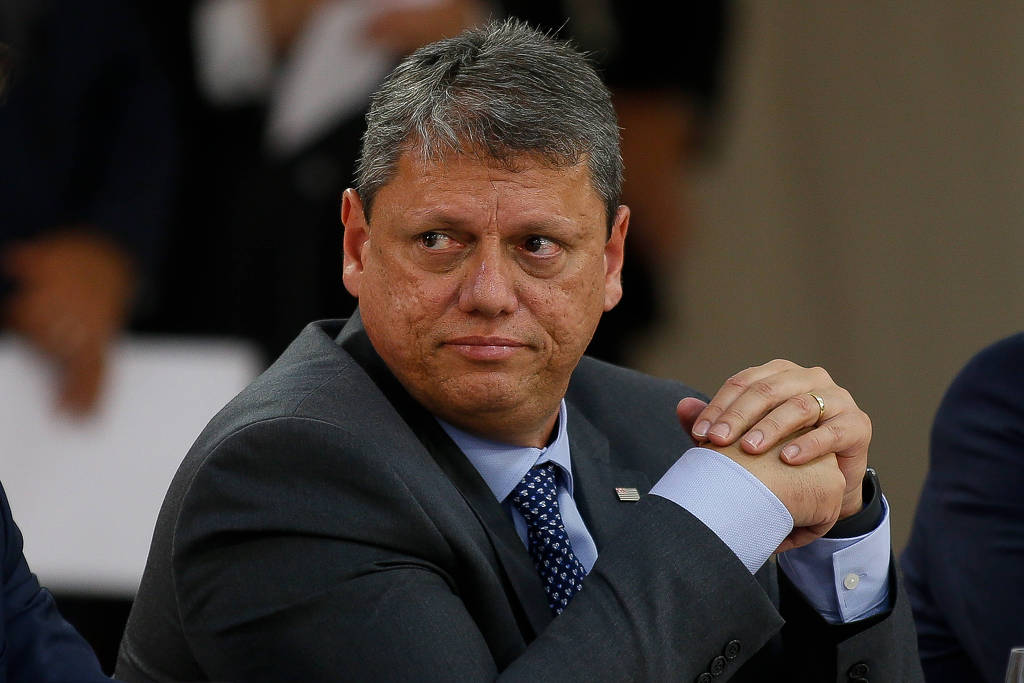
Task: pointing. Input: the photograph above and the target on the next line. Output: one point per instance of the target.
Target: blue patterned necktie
(536, 498)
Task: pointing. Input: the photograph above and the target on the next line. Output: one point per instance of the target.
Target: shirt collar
(502, 466)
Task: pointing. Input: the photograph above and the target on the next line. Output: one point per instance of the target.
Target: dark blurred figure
(665, 77)
(964, 564)
(85, 176)
(86, 167)
(274, 116)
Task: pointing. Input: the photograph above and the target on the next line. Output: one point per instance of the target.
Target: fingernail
(700, 430)
(790, 451)
(754, 438)
(721, 430)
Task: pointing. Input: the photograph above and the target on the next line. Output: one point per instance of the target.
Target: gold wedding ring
(821, 406)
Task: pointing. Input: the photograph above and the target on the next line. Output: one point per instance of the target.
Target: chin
(483, 395)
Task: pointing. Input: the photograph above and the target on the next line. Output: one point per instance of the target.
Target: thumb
(688, 410)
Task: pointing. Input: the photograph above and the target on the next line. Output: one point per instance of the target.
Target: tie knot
(536, 495)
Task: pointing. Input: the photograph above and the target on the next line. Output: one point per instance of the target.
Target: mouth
(485, 348)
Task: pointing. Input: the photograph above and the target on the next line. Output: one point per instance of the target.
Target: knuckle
(771, 425)
(821, 374)
(868, 427)
(805, 404)
(732, 412)
(815, 439)
(779, 364)
(737, 381)
(711, 412)
(835, 433)
(764, 389)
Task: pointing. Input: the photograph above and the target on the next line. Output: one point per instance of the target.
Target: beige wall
(864, 210)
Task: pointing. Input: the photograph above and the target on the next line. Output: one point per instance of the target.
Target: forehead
(462, 183)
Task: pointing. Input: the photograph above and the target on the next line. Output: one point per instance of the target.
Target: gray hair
(499, 91)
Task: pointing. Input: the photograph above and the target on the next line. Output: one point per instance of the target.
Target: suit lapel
(513, 556)
(595, 478)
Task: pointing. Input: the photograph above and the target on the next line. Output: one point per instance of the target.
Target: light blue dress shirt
(843, 579)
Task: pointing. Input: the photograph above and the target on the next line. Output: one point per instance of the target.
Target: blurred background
(833, 183)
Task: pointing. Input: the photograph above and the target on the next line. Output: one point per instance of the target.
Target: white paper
(86, 492)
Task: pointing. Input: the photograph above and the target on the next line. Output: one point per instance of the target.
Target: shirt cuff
(844, 579)
(730, 501)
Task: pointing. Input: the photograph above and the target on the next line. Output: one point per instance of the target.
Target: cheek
(410, 300)
(570, 309)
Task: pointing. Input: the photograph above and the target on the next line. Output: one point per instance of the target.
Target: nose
(489, 288)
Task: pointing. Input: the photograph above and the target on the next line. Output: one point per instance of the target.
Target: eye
(436, 241)
(541, 246)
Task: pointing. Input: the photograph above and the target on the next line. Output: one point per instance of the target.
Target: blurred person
(274, 93)
(964, 563)
(37, 644)
(443, 488)
(85, 178)
(86, 171)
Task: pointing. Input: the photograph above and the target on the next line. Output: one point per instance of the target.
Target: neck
(536, 435)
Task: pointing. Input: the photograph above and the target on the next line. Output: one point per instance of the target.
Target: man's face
(480, 287)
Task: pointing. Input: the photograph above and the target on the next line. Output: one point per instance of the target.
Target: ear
(357, 235)
(613, 254)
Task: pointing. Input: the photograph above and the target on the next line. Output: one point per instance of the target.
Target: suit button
(717, 666)
(858, 670)
(704, 678)
(732, 650)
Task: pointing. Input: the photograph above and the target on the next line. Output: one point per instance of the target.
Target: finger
(728, 393)
(765, 394)
(688, 410)
(797, 412)
(760, 394)
(81, 381)
(847, 435)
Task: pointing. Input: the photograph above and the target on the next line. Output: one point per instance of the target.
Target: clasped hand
(767, 420)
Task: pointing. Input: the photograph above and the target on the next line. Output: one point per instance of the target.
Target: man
(409, 497)
(965, 558)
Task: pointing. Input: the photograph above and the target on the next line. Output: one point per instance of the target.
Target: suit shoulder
(999, 359)
(991, 382)
(314, 381)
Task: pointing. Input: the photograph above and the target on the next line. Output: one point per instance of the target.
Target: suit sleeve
(38, 644)
(390, 588)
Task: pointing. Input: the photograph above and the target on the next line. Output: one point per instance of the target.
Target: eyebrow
(443, 217)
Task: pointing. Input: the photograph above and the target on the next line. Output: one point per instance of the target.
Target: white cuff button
(851, 581)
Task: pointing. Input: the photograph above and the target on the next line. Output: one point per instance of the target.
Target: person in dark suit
(444, 489)
(36, 644)
(965, 559)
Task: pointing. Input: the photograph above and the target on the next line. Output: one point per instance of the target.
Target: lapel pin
(627, 494)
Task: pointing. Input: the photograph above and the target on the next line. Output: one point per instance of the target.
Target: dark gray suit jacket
(324, 527)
